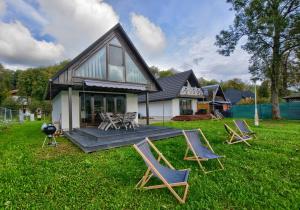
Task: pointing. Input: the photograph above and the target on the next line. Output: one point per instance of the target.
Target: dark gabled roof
(171, 86)
(211, 91)
(117, 28)
(293, 96)
(235, 95)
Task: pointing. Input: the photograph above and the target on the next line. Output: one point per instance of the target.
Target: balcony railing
(191, 91)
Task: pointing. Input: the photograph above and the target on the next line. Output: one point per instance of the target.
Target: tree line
(30, 85)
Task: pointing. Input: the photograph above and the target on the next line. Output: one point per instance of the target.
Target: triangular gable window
(115, 41)
(120, 66)
(133, 73)
(94, 67)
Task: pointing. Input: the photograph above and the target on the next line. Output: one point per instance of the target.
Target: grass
(264, 176)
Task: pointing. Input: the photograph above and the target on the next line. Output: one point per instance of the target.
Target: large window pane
(116, 65)
(116, 73)
(110, 104)
(94, 67)
(115, 56)
(133, 73)
(120, 104)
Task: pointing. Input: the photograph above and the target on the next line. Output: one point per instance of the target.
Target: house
(292, 98)
(235, 96)
(214, 99)
(105, 77)
(179, 96)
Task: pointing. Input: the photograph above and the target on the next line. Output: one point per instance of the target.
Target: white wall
(168, 108)
(61, 108)
(132, 103)
(158, 109)
(56, 108)
(175, 105)
(194, 105)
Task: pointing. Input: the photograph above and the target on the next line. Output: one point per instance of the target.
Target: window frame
(108, 61)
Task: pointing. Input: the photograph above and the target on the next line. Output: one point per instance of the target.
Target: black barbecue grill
(49, 130)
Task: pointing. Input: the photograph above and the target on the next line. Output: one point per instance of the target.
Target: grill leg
(45, 139)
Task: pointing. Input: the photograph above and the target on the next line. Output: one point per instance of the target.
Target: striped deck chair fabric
(167, 174)
(244, 128)
(196, 141)
(235, 137)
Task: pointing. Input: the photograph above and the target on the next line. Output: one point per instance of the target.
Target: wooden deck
(93, 139)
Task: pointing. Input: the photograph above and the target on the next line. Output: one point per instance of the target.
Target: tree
(166, 73)
(234, 83)
(5, 82)
(272, 28)
(32, 82)
(204, 82)
(264, 89)
(155, 71)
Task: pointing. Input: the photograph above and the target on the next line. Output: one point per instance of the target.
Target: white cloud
(78, 23)
(18, 47)
(2, 7)
(201, 55)
(27, 10)
(150, 35)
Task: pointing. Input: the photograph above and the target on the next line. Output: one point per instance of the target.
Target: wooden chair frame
(148, 174)
(195, 157)
(111, 123)
(243, 133)
(235, 134)
(213, 117)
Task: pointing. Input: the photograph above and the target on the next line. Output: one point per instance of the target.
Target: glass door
(92, 104)
(85, 108)
(98, 108)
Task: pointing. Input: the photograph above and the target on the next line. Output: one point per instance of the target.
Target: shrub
(11, 103)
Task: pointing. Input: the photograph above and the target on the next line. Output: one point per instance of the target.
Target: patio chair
(235, 137)
(199, 150)
(218, 114)
(213, 117)
(112, 122)
(167, 174)
(104, 122)
(244, 128)
(129, 120)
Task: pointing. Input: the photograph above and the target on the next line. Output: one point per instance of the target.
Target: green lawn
(264, 176)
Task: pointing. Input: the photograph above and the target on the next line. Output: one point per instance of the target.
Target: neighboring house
(106, 77)
(236, 96)
(214, 99)
(179, 96)
(292, 98)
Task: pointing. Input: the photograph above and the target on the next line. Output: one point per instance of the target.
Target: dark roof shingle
(171, 86)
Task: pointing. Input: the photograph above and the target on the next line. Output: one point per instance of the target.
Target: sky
(168, 34)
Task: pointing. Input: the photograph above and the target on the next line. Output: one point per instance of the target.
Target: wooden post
(147, 108)
(70, 109)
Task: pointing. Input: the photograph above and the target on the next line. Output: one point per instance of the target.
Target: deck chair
(167, 174)
(235, 137)
(244, 128)
(200, 152)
